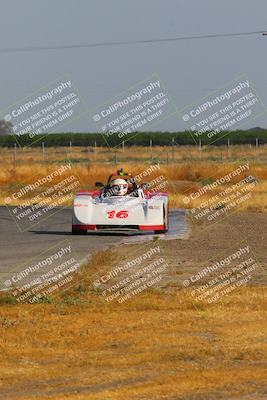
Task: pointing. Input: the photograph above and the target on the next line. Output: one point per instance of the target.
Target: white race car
(120, 205)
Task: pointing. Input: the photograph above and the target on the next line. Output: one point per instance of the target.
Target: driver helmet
(119, 187)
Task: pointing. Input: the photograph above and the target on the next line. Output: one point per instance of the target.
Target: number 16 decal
(120, 214)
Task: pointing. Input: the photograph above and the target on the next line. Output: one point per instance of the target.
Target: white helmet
(119, 187)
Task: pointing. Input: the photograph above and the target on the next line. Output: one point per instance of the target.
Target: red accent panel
(151, 227)
(91, 192)
(85, 227)
(149, 195)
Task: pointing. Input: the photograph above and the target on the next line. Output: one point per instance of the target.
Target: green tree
(5, 127)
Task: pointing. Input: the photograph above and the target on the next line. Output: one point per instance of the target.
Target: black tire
(76, 231)
(159, 232)
(165, 219)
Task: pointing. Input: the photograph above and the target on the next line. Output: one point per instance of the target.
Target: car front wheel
(165, 219)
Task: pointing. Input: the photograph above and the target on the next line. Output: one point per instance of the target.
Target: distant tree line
(139, 139)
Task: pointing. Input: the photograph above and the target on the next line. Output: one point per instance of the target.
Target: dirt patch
(186, 258)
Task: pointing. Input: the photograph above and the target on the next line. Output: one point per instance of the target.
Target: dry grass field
(160, 344)
(156, 347)
(184, 168)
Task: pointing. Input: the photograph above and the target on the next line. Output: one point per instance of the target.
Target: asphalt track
(17, 248)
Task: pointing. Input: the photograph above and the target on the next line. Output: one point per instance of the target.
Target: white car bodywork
(94, 211)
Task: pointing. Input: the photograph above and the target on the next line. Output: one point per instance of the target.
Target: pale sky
(189, 69)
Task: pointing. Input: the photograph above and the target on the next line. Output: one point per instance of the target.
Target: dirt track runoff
(185, 255)
(207, 247)
(18, 248)
(217, 241)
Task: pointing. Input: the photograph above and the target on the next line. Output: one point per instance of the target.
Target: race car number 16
(119, 214)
